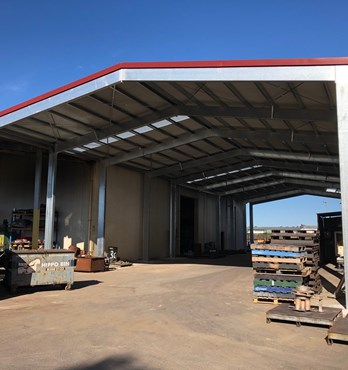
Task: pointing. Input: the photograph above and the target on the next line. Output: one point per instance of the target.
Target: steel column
(50, 200)
(146, 216)
(36, 206)
(101, 210)
(342, 123)
(172, 226)
(251, 222)
(219, 223)
(234, 222)
(244, 241)
(229, 218)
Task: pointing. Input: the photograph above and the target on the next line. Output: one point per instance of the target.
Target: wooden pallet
(317, 289)
(312, 260)
(303, 276)
(315, 282)
(279, 254)
(313, 248)
(338, 331)
(313, 317)
(292, 260)
(305, 243)
(285, 296)
(279, 247)
(278, 267)
(296, 234)
(279, 239)
(277, 283)
(271, 300)
(315, 265)
(312, 253)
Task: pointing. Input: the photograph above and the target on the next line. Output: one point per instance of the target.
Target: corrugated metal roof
(249, 129)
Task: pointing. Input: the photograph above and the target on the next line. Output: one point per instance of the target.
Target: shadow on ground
(331, 288)
(237, 259)
(332, 271)
(111, 363)
(6, 294)
(327, 285)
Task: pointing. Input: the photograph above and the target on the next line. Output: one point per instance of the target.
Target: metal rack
(21, 227)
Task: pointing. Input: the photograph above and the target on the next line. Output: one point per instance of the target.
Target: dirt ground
(193, 314)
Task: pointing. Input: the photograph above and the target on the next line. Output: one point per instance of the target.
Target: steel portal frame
(203, 83)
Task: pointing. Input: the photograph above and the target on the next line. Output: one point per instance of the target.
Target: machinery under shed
(126, 149)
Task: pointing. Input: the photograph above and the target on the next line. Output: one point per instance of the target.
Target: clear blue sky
(46, 44)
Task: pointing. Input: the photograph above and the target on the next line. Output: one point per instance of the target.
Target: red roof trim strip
(173, 65)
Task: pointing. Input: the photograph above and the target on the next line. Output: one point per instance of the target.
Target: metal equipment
(303, 295)
(339, 331)
(90, 264)
(284, 313)
(39, 267)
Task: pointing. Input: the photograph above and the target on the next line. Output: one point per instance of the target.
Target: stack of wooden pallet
(313, 262)
(278, 269)
(289, 235)
(309, 240)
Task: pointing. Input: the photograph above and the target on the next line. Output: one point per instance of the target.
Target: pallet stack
(313, 262)
(278, 270)
(307, 238)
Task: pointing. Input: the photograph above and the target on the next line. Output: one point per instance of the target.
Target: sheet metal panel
(305, 73)
(51, 101)
(342, 116)
(40, 267)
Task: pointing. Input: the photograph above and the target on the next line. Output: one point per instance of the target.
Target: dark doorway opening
(330, 232)
(187, 225)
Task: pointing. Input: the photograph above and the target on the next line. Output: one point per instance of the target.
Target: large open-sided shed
(232, 131)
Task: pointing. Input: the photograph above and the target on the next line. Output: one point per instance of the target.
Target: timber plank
(277, 283)
(294, 242)
(274, 253)
(282, 267)
(278, 259)
(279, 276)
(279, 247)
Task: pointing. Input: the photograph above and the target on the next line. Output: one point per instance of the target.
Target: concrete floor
(188, 315)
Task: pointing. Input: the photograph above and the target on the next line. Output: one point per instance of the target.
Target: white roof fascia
(63, 97)
(294, 73)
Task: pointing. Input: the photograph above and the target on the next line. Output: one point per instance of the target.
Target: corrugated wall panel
(124, 212)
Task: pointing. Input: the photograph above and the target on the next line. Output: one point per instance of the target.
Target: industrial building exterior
(157, 158)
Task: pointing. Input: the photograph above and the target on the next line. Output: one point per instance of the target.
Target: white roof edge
(282, 73)
(61, 98)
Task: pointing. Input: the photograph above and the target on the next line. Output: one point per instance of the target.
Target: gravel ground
(193, 314)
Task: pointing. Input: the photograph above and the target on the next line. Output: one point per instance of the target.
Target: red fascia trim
(173, 65)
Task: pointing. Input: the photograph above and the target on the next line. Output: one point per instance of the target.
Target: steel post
(218, 239)
(50, 200)
(251, 222)
(342, 124)
(36, 205)
(101, 210)
(229, 217)
(244, 238)
(172, 222)
(146, 216)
